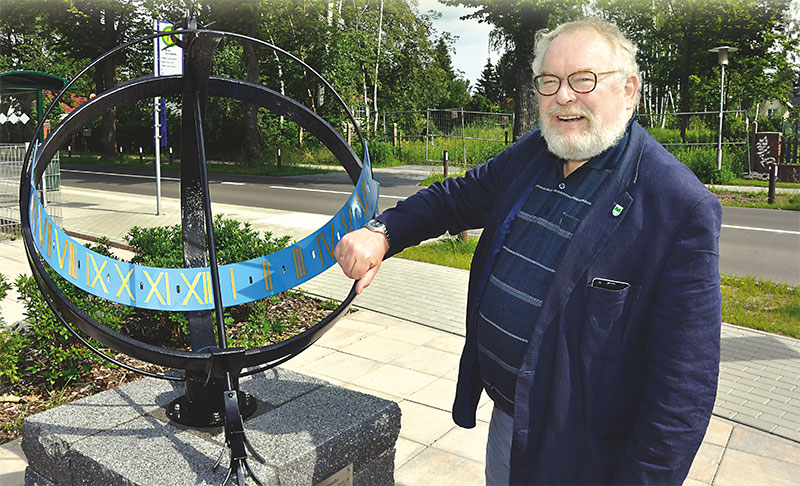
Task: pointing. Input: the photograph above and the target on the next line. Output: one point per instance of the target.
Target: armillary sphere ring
(39, 228)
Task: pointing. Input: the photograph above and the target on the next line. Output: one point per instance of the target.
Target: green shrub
(703, 162)
(162, 247)
(4, 288)
(381, 153)
(42, 350)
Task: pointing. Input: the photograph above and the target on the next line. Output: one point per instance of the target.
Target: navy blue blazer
(624, 384)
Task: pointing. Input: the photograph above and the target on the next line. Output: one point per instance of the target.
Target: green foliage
(42, 350)
(703, 162)
(162, 246)
(4, 287)
(381, 153)
(696, 133)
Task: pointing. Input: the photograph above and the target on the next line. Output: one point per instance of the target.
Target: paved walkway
(404, 345)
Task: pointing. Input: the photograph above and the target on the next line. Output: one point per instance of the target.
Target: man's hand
(360, 254)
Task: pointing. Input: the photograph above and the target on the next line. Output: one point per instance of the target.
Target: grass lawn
(757, 200)
(747, 302)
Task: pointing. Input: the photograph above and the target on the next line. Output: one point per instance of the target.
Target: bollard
(170, 155)
(140, 154)
(280, 162)
(69, 151)
(394, 134)
(120, 155)
(773, 173)
(445, 163)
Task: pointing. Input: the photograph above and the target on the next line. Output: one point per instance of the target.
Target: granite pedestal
(309, 431)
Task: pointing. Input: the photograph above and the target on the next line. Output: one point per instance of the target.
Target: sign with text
(169, 57)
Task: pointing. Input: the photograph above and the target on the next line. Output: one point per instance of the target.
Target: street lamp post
(722, 53)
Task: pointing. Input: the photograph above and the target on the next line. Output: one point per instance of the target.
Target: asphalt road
(763, 243)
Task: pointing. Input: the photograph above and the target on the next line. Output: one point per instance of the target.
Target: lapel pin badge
(617, 210)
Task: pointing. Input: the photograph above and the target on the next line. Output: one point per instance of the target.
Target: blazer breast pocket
(606, 303)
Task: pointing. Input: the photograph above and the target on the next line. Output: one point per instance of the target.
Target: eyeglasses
(580, 82)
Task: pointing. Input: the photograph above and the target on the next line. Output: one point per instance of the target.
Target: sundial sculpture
(211, 370)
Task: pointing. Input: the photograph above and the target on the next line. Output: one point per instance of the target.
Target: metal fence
(11, 158)
(701, 127)
(474, 137)
(469, 136)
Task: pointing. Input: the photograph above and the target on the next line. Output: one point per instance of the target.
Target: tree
(87, 29)
(243, 16)
(489, 83)
(515, 25)
(674, 37)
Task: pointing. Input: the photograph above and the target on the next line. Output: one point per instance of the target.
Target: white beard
(582, 146)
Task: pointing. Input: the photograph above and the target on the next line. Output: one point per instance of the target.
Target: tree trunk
(526, 107)
(105, 79)
(248, 18)
(252, 150)
(377, 63)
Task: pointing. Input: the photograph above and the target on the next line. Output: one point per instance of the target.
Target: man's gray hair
(624, 50)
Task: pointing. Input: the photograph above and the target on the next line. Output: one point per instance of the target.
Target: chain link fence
(11, 159)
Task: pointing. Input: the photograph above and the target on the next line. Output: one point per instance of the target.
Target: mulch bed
(298, 313)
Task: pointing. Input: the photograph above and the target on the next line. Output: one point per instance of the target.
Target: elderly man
(593, 318)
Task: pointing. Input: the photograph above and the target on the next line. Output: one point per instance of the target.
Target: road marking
(135, 176)
(768, 230)
(327, 191)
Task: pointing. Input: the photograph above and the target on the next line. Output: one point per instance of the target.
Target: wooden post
(773, 173)
(394, 134)
(300, 139)
(349, 134)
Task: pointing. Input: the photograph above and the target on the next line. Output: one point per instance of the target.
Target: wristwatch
(378, 227)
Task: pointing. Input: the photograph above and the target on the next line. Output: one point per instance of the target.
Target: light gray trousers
(498, 448)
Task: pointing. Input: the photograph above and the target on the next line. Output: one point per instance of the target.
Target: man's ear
(631, 88)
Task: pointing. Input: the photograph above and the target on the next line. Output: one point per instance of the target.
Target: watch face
(376, 225)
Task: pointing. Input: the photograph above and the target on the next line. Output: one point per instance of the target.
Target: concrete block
(306, 429)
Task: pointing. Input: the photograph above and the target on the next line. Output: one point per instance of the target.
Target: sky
(472, 45)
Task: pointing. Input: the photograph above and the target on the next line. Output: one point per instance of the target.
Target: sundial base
(307, 430)
(182, 411)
